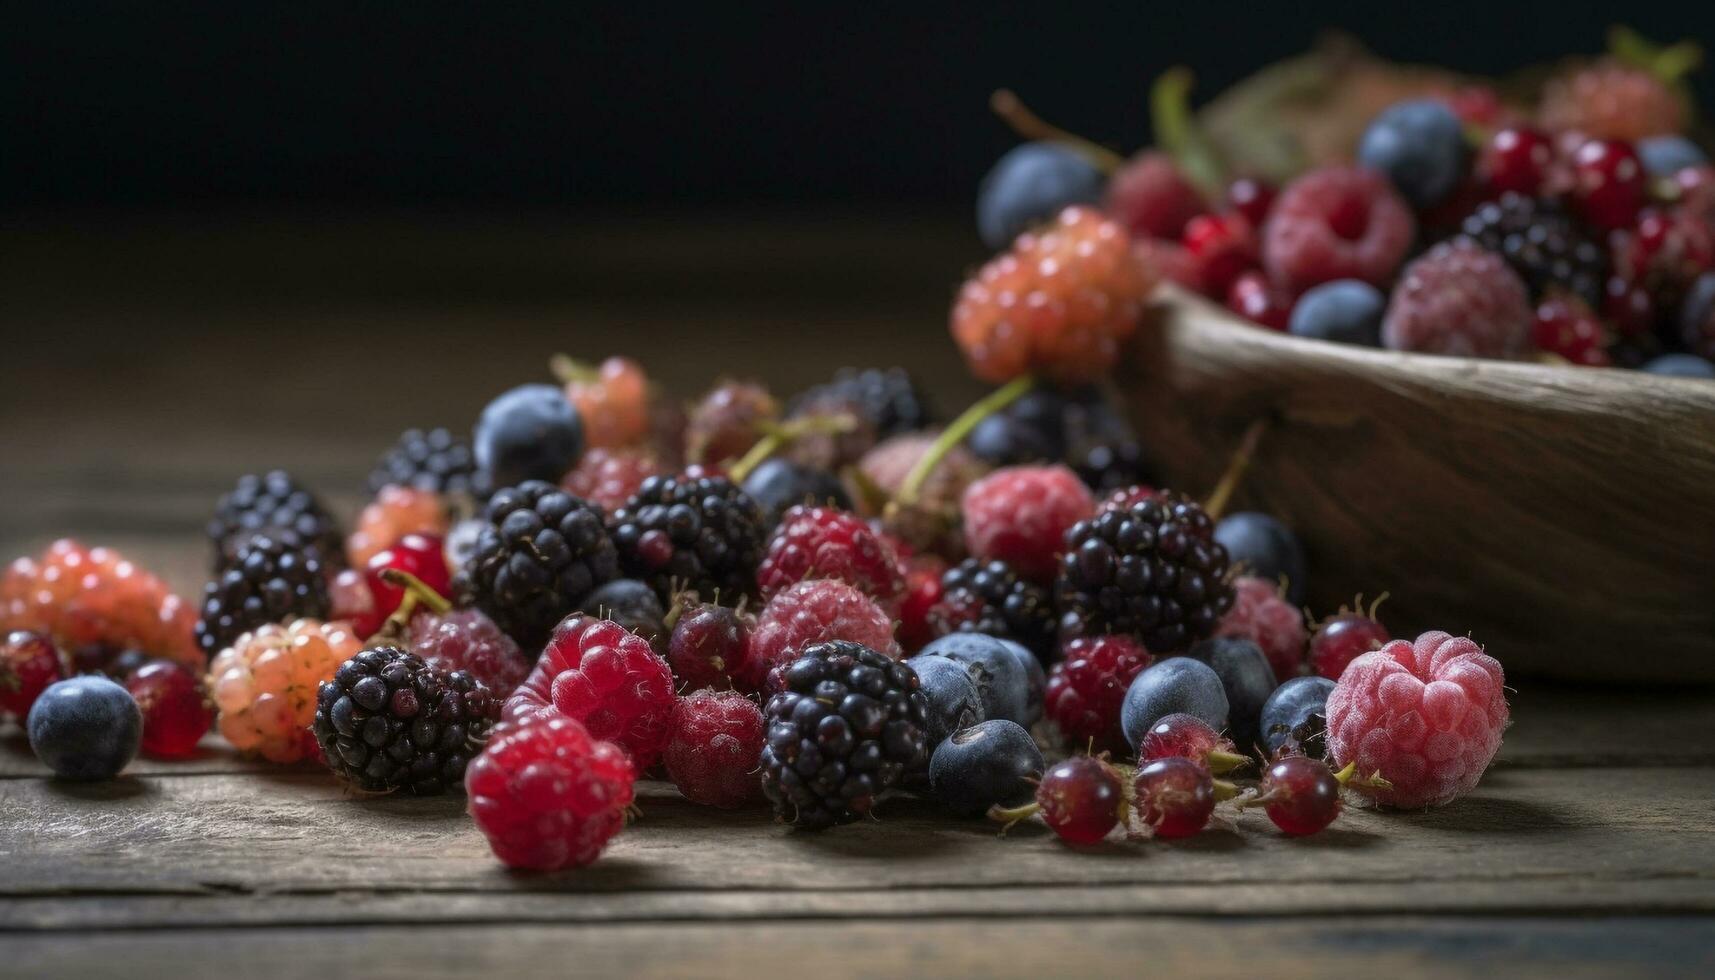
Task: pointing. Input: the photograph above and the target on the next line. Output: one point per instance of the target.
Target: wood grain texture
(1566, 518)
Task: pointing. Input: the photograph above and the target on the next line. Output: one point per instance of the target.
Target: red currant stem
(1012, 815)
(1221, 761)
(1176, 130)
(1348, 777)
(1224, 790)
(1011, 109)
(569, 370)
(1236, 467)
(778, 437)
(957, 432)
(872, 499)
(1257, 799)
(1377, 604)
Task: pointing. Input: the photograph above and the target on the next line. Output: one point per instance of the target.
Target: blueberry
(1420, 145)
(1170, 686)
(1030, 184)
(633, 605)
(778, 484)
(1697, 309)
(995, 762)
(1680, 366)
(85, 728)
(1036, 681)
(1345, 311)
(529, 433)
(954, 701)
(1246, 678)
(1030, 430)
(1266, 548)
(1296, 714)
(999, 672)
(1664, 156)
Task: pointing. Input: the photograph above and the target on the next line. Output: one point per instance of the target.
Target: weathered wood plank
(991, 948)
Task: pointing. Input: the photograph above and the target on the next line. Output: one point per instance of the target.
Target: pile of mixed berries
(1574, 227)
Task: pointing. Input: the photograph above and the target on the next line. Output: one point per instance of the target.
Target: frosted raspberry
(395, 512)
(612, 400)
(86, 597)
(1336, 223)
(265, 685)
(1151, 198)
(547, 795)
(1459, 299)
(1060, 303)
(823, 542)
(1261, 615)
(605, 676)
(922, 591)
(467, 640)
(714, 747)
(808, 613)
(1087, 687)
(1426, 715)
(709, 645)
(1611, 100)
(1020, 515)
(728, 421)
(610, 477)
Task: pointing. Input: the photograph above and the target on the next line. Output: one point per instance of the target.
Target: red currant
(418, 554)
(1081, 799)
(1183, 736)
(1253, 297)
(1566, 328)
(1301, 795)
(1516, 160)
(354, 603)
(175, 714)
(1608, 183)
(1174, 797)
(1223, 247)
(29, 662)
(1251, 198)
(1343, 639)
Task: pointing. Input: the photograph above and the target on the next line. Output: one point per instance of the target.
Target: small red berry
(922, 591)
(808, 613)
(547, 795)
(1516, 159)
(709, 645)
(1253, 297)
(1081, 799)
(1566, 328)
(1301, 795)
(417, 554)
(1223, 246)
(712, 754)
(1151, 198)
(825, 542)
(606, 677)
(1608, 184)
(1174, 797)
(354, 603)
(29, 662)
(1343, 639)
(610, 477)
(1087, 687)
(1183, 736)
(175, 714)
(1252, 198)
(1020, 514)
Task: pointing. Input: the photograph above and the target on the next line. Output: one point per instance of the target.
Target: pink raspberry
(1151, 197)
(1020, 515)
(547, 795)
(1336, 223)
(709, 645)
(1087, 688)
(610, 477)
(824, 542)
(606, 677)
(808, 613)
(1426, 715)
(1459, 299)
(467, 640)
(713, 752)
(1260, 615)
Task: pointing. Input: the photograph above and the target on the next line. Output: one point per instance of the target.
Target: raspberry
(1167, 261)
(1566, 328)
(395, 512)
(1542, 244)
(84, 597)
(467, 640)
(709, 645)
(1086, 688)
(1059, 303)
(609, 477)
(1426, 715)
(713, 752)
(931, 523)
(803, 615)
(989, 597)
(888, 399)
(1665, 252)
(269, 505)
(1020, 515)
(1336, 223)
(270, 580)
(1260, 614)
(612, 399)
(603, 675)
(547, 795)
(702, 534)
(265, 685)
(922, 591)
(1151, 198)
(821, 542)
(1611, 100)
(728, 421)
(1223, 246)
(1459, 299)
(435, 461)
(175, 714)
(29, 662)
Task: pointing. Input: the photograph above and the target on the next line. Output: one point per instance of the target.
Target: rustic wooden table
(150, 367)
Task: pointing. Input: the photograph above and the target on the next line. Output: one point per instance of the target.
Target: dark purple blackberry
(888, 399)
(540, 552)
(388, 721)
(267, 505)
(703, 535)
(848, 725)
(1542, 243)
(271, 579)
(1106, 465)
(436, 461)
(1152, 569)
(989, 597)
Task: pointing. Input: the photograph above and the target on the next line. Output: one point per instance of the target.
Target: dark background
(150, 105)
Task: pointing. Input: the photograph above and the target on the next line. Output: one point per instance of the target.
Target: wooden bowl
(1564, 517)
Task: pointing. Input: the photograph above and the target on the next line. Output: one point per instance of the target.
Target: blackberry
(539, 553)
(272, 579)
(989, 597)
(1542, 243)
(389, 721)
(1111, 464)
(682, 533)
(267, 505)
(888, 399)
(848, 725)
(435, 460)
(1152, 569)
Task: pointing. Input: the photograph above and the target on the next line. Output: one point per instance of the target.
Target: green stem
(417, 593)
(1176, 131)
(957, 432)
(568, 370)
(781, 436)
